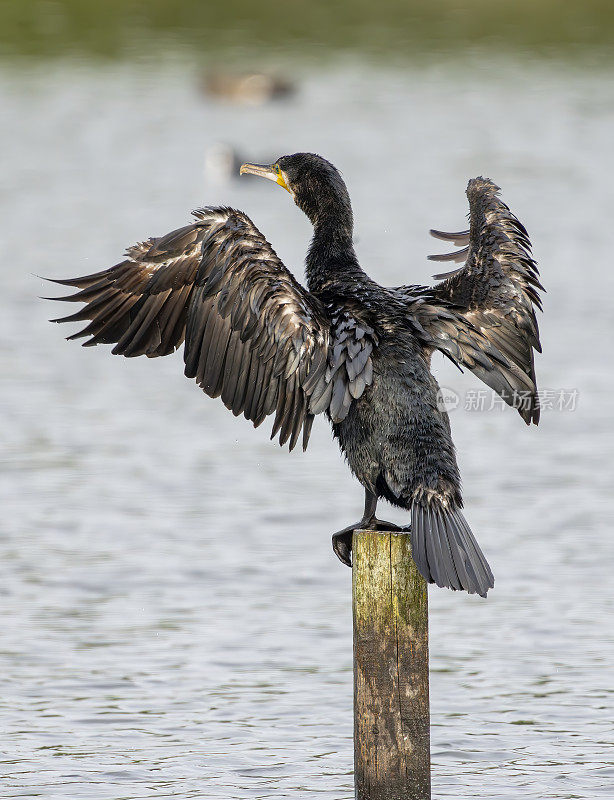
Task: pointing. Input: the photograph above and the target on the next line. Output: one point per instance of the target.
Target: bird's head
(314, 183)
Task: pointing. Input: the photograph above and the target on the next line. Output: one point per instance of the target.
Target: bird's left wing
(253, 335)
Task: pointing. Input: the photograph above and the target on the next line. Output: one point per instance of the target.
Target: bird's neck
(331, 260)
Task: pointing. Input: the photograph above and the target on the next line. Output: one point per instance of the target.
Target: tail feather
(445, 550)
(447, 557)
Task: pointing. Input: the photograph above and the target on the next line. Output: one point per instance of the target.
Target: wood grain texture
(391, 680)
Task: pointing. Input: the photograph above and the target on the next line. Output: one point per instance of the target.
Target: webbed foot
(382, 525)
(342, 543)
(342, 540)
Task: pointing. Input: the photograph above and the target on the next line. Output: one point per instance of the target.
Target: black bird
(346, 347)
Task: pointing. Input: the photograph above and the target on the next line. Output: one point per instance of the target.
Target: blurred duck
(247, 88)
(346, 346)
(222, 163)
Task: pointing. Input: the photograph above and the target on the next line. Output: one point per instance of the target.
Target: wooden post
(391, 670)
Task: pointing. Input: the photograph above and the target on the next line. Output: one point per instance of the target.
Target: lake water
(173, 620)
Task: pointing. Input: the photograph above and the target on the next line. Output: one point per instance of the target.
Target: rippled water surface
(174, 623)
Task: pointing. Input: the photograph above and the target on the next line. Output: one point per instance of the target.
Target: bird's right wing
(253, 334)
(497, 287)
(482, 314)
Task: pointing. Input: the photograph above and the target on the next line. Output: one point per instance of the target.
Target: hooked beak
(271, 172)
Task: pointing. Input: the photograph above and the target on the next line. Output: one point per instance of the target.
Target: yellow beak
(271, 172)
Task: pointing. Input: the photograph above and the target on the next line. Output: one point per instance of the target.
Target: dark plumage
(348, 347)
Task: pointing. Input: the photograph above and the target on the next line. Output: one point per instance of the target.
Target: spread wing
(482, 314)
(253, 335)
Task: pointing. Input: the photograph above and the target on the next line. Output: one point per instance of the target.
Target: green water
(311, 28)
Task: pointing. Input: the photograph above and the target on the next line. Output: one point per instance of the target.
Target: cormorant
(346, 347)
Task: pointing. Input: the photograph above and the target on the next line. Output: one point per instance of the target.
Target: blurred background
(174, 623)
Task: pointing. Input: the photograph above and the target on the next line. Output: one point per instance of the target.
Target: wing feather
(498, 287)
(482, 315)
(252, 333)
(350, 368)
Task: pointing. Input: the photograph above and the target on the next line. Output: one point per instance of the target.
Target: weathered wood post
(391, 670)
